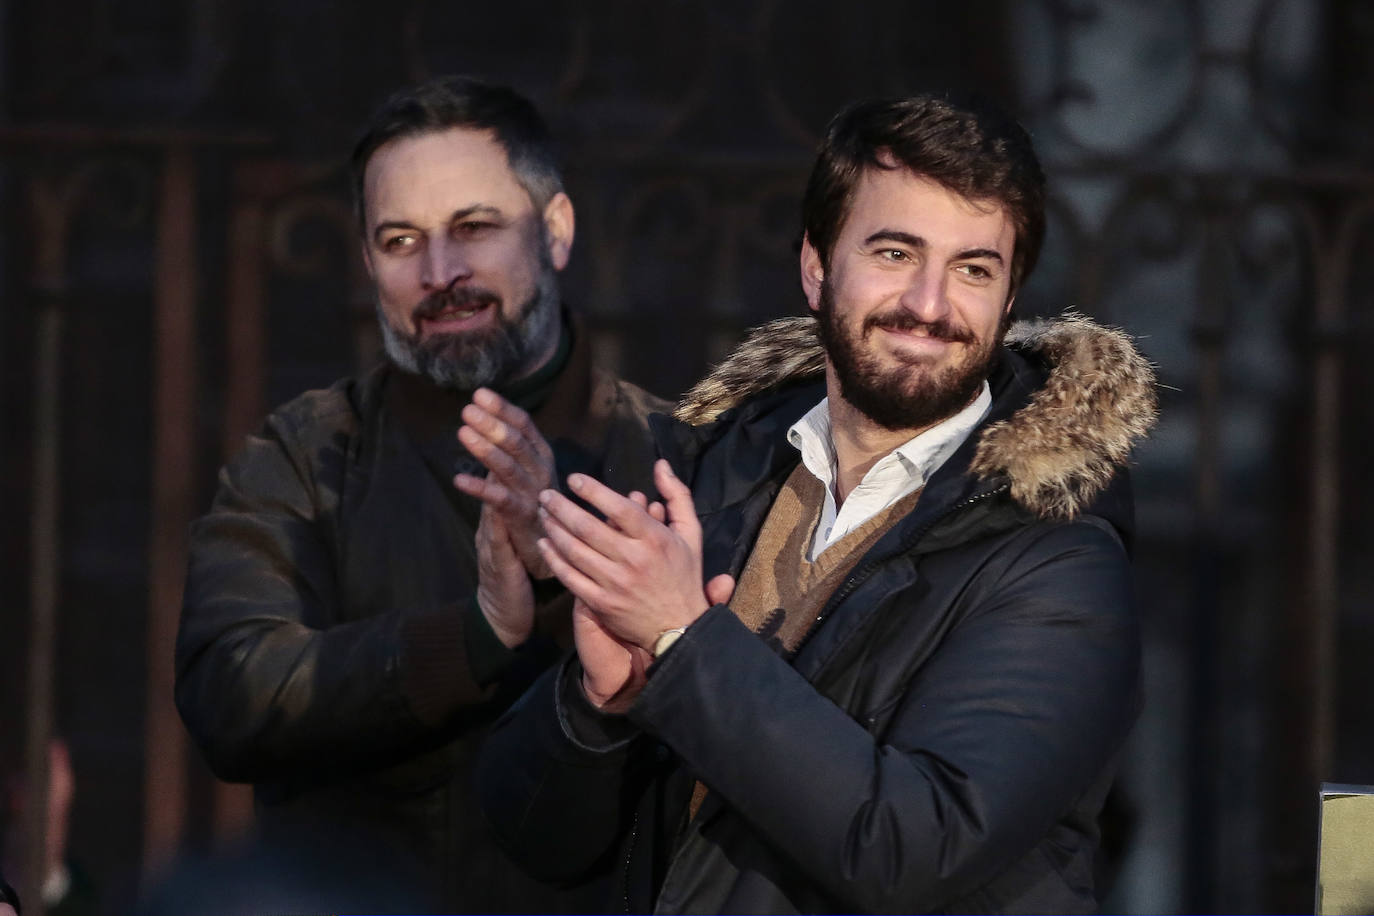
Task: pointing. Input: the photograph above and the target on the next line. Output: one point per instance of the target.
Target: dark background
(177, 256)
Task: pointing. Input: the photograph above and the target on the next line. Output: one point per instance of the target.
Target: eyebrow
(454, 217)
(896, 235)
(915, 241)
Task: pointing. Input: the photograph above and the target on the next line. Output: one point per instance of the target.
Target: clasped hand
(519, 465)
(635, 574)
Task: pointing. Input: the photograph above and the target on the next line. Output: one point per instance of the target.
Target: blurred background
(177, 256)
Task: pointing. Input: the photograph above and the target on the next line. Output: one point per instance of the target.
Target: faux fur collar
(1058, 451)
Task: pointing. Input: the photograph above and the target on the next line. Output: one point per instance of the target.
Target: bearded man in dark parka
(875, 651)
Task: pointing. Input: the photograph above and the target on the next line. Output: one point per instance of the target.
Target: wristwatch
(666, 639)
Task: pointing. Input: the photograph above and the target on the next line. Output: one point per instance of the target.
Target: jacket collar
(1070, 398)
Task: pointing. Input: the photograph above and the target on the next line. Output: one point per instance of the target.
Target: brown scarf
(781, 592)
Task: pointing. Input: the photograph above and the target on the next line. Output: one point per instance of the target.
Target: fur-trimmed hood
(1058, 451)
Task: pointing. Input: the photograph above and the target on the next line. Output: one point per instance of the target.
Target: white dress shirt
(896, 474)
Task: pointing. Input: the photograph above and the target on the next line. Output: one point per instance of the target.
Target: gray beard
(490, 357)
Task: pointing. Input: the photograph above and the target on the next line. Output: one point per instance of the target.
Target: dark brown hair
(464, 101)
(971, 148)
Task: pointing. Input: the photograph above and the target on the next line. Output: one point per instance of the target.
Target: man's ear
(560, 224)
(812, 273)
(1005, 322)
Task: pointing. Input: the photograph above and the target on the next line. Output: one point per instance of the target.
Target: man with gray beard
(336, 650)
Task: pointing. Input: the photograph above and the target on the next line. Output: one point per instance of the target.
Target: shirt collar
(919, 456)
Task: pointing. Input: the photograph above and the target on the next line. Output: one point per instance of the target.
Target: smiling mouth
(923, 333)
(453, 319)
(927, 333)
(914, 340)
(454, 313)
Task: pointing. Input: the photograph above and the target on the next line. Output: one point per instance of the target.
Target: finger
(496, 433)
(657, 512)
(625, 514)
(490, 533)
(584, 615)
(502, 548)
(499, 462)
(640, 657)
(720, 589)
(574, 581)
(490, 492)
(594, 564)
(517, 518)
(682, 513)
(534, 448)
(638, 498)
(516, 418)
(607, 537)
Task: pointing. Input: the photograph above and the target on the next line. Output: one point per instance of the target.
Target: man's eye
(398, 242)
(472, 227)
(893, 254)
(976, 271)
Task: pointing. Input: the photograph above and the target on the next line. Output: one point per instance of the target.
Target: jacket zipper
(857, 578)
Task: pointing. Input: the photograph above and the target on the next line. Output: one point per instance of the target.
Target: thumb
(720, 589)
(498, 536)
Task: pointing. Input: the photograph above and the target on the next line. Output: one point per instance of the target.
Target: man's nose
(927, 294)
(445, 264)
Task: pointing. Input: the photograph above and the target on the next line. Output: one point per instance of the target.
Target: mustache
(944, 329)
(461, 297)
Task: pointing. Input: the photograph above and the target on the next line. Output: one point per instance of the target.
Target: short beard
(493, 356)
(909, 395)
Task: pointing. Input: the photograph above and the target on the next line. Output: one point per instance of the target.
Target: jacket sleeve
(1013, 717)
(558, 780)
(269, 681)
